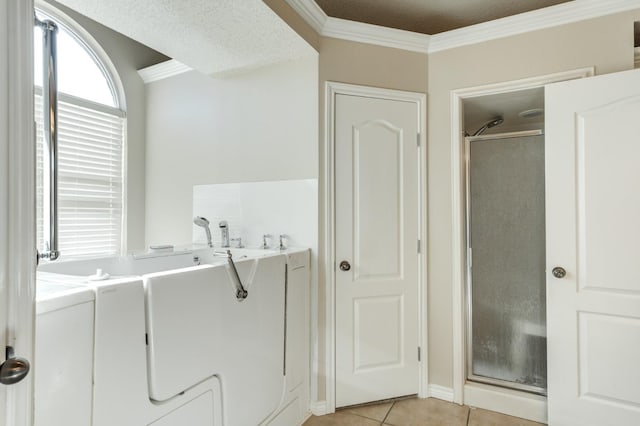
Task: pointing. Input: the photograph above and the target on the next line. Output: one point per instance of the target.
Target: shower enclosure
(506, 327)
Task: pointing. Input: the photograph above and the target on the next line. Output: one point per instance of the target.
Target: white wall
(257, 126)
(254, 209)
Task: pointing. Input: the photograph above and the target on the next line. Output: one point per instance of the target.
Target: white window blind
(90, 177)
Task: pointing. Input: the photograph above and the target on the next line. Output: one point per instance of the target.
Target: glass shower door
(506, 332)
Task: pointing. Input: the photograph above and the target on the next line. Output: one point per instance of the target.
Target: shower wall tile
(253, 209)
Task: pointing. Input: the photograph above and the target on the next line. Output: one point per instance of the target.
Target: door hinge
(419, 246)
(419, 354)
(418, 140)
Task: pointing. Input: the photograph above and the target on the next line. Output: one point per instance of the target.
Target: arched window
(91, 137)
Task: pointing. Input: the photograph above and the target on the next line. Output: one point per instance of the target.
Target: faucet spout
(201, 221)
(224, 232)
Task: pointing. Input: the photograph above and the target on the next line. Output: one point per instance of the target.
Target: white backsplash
(253, 209)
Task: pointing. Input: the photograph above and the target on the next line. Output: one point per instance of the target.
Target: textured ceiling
(429, 16)
(212, 36)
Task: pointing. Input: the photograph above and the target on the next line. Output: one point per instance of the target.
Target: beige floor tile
(427, 412)
(479, 417)
(376, 411)
(340, 419)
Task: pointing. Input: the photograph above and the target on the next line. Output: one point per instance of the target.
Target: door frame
(484, 396)
(420, 99)
(19, 251)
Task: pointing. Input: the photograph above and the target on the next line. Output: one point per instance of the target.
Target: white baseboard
(506, 401)
(440, 392)
(318, 408)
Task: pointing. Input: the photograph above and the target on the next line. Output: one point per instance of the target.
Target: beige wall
(261, 125)
(363, 64)
(606, 43)
(128, 57)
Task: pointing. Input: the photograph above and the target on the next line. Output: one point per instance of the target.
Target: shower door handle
(559, 272)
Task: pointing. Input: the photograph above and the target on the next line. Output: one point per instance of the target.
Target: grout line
(388, 412)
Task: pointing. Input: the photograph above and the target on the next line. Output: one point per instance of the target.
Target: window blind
(90, 177)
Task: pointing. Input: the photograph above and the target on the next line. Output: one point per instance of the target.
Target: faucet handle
(264, 241)
(283, 237)
(239, 240)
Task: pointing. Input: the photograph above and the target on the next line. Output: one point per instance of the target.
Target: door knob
(344, 266)
(559, 272)
(13, 369)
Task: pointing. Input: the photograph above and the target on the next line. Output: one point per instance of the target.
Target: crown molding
(374, 34)
(310, 12)
(561, 14)
(565, 13)
(357, 31)
(162, 70)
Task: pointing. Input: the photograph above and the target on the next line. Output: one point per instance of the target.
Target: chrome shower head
(489, 124)
(201, 221)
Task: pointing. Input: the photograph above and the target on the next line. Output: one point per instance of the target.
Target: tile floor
(416, 412)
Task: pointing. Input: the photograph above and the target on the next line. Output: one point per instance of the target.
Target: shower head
(201, 221)
(489, 124)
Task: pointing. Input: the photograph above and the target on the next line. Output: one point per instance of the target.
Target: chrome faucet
(224, 232)
(265, 246)
(201, 221)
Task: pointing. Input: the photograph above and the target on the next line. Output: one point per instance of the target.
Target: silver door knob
(13, 369)
(344, 266)
(559, 272)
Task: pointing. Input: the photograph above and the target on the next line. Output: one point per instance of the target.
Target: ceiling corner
(310, 12)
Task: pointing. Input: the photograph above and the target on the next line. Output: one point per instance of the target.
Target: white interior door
(593, 229)
(4, 147)
(377, 204)
(17, 210)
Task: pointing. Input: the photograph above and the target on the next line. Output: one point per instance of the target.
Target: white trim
(551, 16)
(162, 70)
(458, 205)
(441, 392)
(519, 404)
(319, 408)
(357, 31)
(331, 90)
(534, 20)
(20, 244)
(636, 57)
(374, 34)
(310, 12)
(329, 248)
